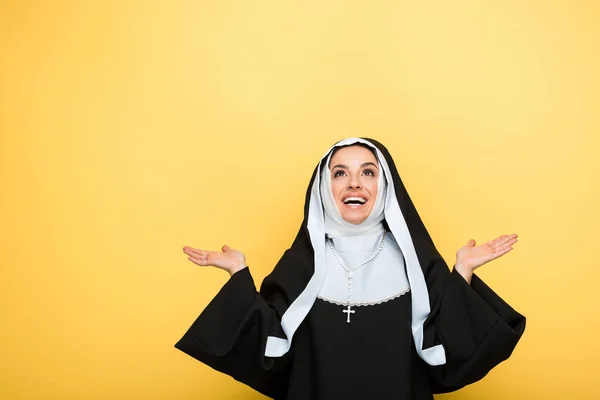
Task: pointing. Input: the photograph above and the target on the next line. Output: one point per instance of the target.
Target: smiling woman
(362, 305)
(354, 182)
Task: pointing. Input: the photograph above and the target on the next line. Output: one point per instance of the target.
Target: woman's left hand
(471, 257)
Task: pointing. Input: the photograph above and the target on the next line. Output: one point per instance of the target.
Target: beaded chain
(348, 310)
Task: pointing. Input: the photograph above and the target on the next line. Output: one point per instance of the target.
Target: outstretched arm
(231, 332)
(477, 328)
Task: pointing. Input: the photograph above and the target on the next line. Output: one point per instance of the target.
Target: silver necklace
(348, 310)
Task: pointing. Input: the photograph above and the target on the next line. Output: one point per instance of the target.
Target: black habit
(374, 357)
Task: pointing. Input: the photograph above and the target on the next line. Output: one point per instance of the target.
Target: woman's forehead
(348, 154)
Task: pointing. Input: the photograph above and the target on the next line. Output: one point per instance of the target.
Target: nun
(362, 305)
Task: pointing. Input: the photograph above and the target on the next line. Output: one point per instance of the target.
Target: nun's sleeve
(477, 328)
(230, 334)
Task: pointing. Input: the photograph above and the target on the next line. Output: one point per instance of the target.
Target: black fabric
(368, 358)
(476, 327)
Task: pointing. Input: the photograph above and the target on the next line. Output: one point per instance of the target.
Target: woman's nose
(354, 183)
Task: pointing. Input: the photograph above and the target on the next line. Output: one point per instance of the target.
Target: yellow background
(131, 128)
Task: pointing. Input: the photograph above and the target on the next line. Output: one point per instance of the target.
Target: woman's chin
(355, 219)
(354, 214)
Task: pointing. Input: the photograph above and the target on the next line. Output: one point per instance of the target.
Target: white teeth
(359, 199)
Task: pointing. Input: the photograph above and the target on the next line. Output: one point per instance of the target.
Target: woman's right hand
(228, 259)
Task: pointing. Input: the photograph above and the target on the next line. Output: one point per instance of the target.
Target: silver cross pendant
(348, 311)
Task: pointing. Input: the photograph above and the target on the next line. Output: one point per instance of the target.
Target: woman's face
(354, 175)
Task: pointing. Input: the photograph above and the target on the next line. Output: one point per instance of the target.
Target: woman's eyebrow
(340, 166)
(363, 165)
(369, 163)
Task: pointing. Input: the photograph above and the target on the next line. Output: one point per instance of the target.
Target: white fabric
(381, 279)
(297, 311)
(335, 225)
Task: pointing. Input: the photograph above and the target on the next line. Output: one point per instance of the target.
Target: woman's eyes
(341, 172)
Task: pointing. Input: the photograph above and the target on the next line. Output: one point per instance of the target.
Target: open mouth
(354, 201)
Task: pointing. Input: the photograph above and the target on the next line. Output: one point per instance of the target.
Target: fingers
(503, 245)
(497, 247)
(192, 252)
(502, 252)
(197, 256)
(219, 259)
(503, 239)
(199, 261)
(507, 241)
